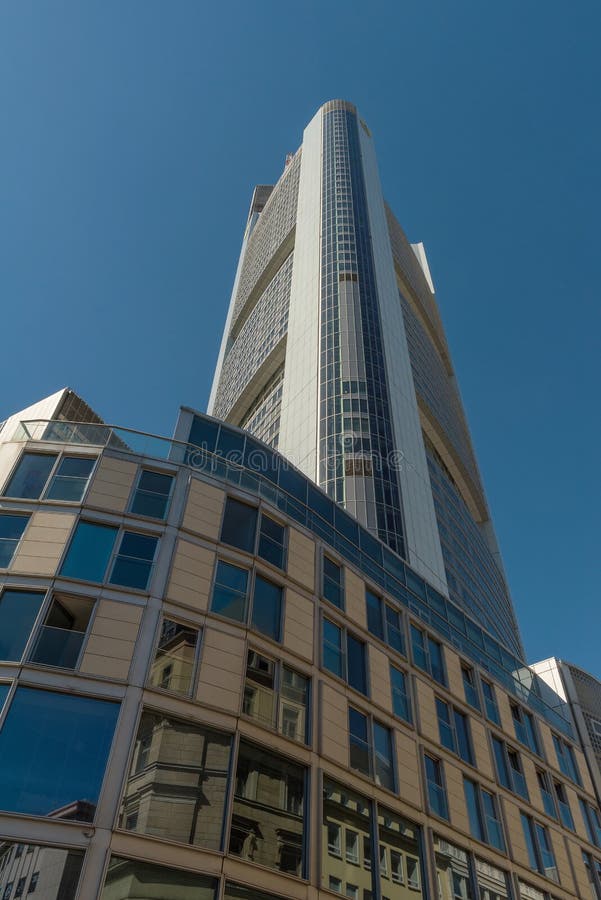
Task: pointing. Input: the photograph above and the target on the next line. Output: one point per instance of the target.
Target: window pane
(177, 784)
(173, 666)
(399, 846)
(31, 475)
(357, 675)
(400, 697)
(259, 688)
(89, 552)
(133, 564)
(464, 747)
(493, 823)
(294, 703)
(230, 591)
(333, 658)
(436, 662)
(18, 612)
(492, 882)
(128, 878)
(60, 639)
(384, 770)
(332, 582)
(268, 815)
(346, 824)
(359, 746)
(529, 838)
(502, 769)
(54, 749)
(436, 793)
(4, 689)
(152, 494)
(471, 800)
(272, 538)
(239, 525)
(267, 608)
(394, 634)
(374, 614)
(445, 730)
(71, 478)
(417, 645)
(452, 870)
(11, 531)
(52, 873)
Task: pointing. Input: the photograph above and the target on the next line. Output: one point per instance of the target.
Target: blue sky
(133, 134)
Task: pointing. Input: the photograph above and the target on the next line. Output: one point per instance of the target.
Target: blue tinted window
(31, 475)
(333, 656)
(267, 608)
(11, 531)
(18, 612)
(71, 478)
(133, 564)
(383, 764)
(203, 433)
(230, 591)
(272, 542)
(400, 698)
(89, 552)
(437, 797)
(356, 676)
(333, 588)
(54, 749)
(374, 615)
(471, 800)
(239, 525)
(152, 494)
(4, 689)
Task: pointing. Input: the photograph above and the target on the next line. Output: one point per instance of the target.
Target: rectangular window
(133, 564)
(68, 482)
(437, 797)
(230, 591)
(262, 610)
(546, 793)
(11, 532)
(490, 701)
(592, 821)
(346, 826)
(565, 813)
(371, 748)
(566, 759)
(177, 784)
(152, 494)
(344, 655)
(485, 824)
(509, 768)
(332, 582)
(239, 529)
(266, 615)
(272, 542)
(268, 821)
(540, 851)
(427, 654)
(30, 476)
(59, 870)
(125, 876)
(40, 774)
(18, 613)
(453, 729)
(61, 637)
(384, 622)
(89, 552)
(525, 729)
(174, 661)
(401, 702)
(70, 479)
(277, 696)
(470, 688)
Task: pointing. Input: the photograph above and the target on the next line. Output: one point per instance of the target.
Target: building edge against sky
(334, 352)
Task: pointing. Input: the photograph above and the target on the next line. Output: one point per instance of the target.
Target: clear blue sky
(133, 134)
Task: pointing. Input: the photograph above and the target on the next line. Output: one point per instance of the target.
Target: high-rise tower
(334, 353)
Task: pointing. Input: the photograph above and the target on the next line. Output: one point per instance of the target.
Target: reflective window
(592, 821)
(566, 759)
(54, 748)
(61, 637)
(493, 883)
(485, 824)
(332, 582)
(151, 497)
(525, 729)
(241, 892)
(546, 793)
(133, 563)
(89, 552)
(231, 599)
(230, 591)
(538, 845)
(454, 730)
(31, 475)
(437, 796)
(565, 813)
(18, 612)
(452, 871)
(509, 768)
(267, 608)
(46, 872)
(276, 695)
(593, 873)
(490, 701)
(469, 687)
(4, 689)
(344, 655)
(399, 856)
(427, 654)
(371, 749)
(269, 811)
(401, 702)
(11, 532)
(177, 784)
(239, 528)
(272, 542)
(70, 478)
(346, 840)
(175, 657)
(384, 621)
(127, 878)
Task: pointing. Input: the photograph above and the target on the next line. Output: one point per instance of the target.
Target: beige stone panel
(481, 748)
(561, 859)
(582, 883)
(301, 559)
(454, 673)
(379, 675)
(426, 711)
(204, 507)
(268, 879)
(456, 797)
(112, 484)
(105, 666)
(120, 612)
(191, 575)
(116, 630)
(354, 592)
(408, 769)
(515, 832)
(105, 653)
(505, 712)
(587, 782)
(43, 544)
(333, 725)
(547, 742)
(221, 670)
(298, 624)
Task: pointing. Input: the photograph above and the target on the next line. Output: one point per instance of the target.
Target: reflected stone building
(227, 677)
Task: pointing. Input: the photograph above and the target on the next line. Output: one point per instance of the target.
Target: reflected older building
(48, 873)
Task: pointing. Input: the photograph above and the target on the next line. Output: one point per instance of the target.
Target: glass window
(370, 745)
(4, 689)
(525, 730)
(346, 823)
(344, 655)
(332, 582)
(267, 608)
(454, 730)
(89, 552)
(276, 695)
(70, 478)
(546, 793)
(268, 814)
(151, 497)
(177, 784)
(11, 532)
(239, 525)
(55, 870)
(61, 637)
(230, 591)
(30, 476)
(490, 701)
(565, 812)
(485, 824)
(175, 657)
(493, 883)
(509, 768)
(566, 759)
(54, 748)
(398, 841)
(128, 878)
(401, 703)
(18, 612)
(272, 542)
(357, 671)
(242, 892)
(384, 622)
(383, 762)
(427, 654)
(538, 845)
(592, 821)
(360, 750)
(469, 687)
(437, 797)
(452, 870)
(133, 563)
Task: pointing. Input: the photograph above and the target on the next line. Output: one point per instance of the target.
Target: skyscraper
(334, 353)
